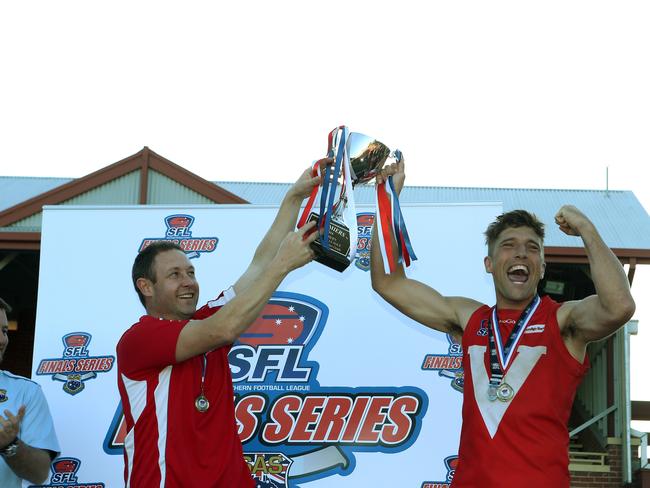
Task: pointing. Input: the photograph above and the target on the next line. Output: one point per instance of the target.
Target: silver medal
(201, 403)
(492, 393)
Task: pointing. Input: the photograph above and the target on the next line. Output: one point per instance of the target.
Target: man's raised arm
(411, 297)
(599, 315)
(283, 224)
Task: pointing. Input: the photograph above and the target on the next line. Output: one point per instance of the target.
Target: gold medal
(201, 403)
(505, 392)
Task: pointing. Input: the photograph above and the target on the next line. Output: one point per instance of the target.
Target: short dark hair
(143, 264)
(5, 306)
(514, 218)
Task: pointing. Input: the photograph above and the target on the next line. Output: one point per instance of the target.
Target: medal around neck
(505, 392)
(357, 158)
(201, 403)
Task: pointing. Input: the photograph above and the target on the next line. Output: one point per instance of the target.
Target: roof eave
(20, 241)
(553, 254)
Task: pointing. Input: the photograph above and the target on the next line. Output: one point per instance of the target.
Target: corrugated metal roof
(620, 218)
(17, 189)
(161, 189)
(120, 191)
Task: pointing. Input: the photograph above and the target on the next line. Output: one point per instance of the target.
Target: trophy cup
(356, 158)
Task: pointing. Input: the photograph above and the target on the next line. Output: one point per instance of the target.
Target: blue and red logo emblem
(178, 231)
(448, 365)
(365, 222)
(76, 365)
(293, 429)
(64, 475)
(451, 463)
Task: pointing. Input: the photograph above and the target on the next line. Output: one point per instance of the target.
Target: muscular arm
(599, 315)
(411, 297)
(284, 222)
(418, 300)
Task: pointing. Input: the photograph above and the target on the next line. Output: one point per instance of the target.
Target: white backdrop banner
(333, 387)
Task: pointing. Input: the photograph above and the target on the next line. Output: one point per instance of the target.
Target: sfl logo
(448, 365)
(365, 222)
(64, 474)
(451, 463)
(178, 231)
(76, 366)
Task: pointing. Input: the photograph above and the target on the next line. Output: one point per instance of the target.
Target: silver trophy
(361, 158)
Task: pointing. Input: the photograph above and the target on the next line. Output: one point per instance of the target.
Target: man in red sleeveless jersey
(523, 358)
(173, 373)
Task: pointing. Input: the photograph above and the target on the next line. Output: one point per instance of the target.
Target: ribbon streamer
(334, 197)
(329, 185)
(390, 224)
(406, 252)
(384, 219)
(315, 171)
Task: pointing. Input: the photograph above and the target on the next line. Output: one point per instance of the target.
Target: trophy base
(329, 258)
(338, 255)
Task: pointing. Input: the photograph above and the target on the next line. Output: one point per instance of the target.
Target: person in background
(28, 441)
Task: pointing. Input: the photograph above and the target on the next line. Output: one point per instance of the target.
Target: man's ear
(145, 286)
(487, 261)
(543, 271)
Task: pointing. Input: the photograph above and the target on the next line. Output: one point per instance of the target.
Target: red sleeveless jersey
(523, 442)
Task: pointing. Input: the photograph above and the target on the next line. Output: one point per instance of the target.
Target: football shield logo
(76, 366)
(448, 365)
(451, 464)
(64, 475)
(178, 231)
(365, 222)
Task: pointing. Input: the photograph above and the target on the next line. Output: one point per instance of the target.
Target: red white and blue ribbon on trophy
(338, 200)
(390, 223)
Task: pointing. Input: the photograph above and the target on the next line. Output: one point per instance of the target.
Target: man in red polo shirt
(173, 373)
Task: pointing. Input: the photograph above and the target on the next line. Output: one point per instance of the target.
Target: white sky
(503, 93)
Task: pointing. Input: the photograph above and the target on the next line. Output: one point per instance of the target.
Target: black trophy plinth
(338, 255)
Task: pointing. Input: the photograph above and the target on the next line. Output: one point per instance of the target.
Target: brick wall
(613, 479)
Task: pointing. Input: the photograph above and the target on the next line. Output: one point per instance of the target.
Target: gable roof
(143, 178)
(147, 177)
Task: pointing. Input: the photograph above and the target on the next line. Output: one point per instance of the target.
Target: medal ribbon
(500, 357)
(205, 367)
